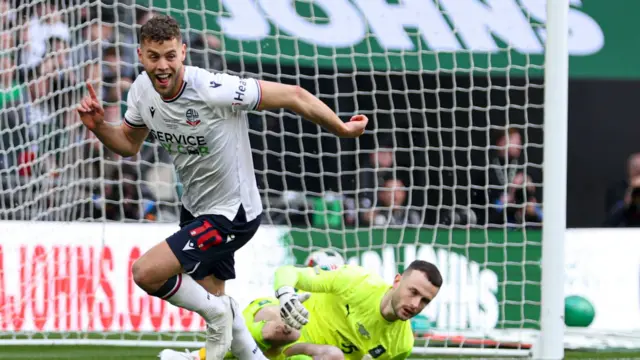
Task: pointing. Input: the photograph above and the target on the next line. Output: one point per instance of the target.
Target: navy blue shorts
(205, 245)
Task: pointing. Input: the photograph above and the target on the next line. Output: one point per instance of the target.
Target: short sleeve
(132, 116)
(229, 91)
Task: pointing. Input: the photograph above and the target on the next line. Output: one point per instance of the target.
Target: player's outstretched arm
(302, 102)
(287, 278)
(305, 279)
(121, 139)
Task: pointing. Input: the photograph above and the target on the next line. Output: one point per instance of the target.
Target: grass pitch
(113, 353)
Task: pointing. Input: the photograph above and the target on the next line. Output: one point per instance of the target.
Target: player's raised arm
(123, 139)
(288, 278)
(302, 102)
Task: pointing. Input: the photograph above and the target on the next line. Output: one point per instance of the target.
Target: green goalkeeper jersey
(344, 311)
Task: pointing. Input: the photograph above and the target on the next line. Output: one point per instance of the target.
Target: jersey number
(348, 348)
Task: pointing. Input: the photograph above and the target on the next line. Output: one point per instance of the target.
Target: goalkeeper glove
(292, 312)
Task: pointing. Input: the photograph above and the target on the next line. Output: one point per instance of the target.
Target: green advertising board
(463, 36)
(491, 277)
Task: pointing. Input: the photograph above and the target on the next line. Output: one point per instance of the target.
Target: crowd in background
(51, 168)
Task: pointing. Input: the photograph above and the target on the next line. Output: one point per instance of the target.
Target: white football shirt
(204, 128)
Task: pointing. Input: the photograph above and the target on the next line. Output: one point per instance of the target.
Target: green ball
(422, 324)
(578, 311)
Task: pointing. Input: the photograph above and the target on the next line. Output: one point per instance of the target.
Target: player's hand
(90, 110)
(292, 312)
(355, 127)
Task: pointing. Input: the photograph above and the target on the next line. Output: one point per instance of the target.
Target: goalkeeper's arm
(300, 101)
(305, 278)
(287, 278)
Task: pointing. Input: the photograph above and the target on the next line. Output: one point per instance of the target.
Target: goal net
(449, 169)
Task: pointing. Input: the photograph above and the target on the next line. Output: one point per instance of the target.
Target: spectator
(377, 167)
(625, 211)
(12, 97)
(59, 49)
(617, 192)
(8, 18)
(519, 205)
(127, 199)
(11, 92)
(61, 79)
(42, 21)
(99, 34)
(489, 184)
(392, 208)
(115, 80)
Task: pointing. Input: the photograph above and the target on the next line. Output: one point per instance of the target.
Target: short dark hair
(112, 50)
(428, 269)
(504, 133)
(160, 28)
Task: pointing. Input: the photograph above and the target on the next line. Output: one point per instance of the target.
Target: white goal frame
(556, 100)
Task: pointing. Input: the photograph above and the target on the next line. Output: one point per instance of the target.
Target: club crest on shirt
(363, 331)
(193, 118)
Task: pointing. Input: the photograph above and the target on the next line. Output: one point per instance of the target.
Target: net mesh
(448, 170)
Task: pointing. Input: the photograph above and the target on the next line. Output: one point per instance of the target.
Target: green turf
(108, 353)
(76, 352)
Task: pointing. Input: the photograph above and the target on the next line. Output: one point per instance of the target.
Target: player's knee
(142, 275)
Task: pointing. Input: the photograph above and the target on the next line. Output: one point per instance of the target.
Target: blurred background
(456, 117)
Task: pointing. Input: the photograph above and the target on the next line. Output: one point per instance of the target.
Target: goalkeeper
(350, 312)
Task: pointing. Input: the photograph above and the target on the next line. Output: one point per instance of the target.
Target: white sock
(243, 346)
(190, 295)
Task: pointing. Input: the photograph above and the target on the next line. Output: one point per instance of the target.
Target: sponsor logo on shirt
(240, 93)
(377, 351)
(181, 144)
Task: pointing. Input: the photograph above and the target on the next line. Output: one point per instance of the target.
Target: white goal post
(458, 93)
(552, 325)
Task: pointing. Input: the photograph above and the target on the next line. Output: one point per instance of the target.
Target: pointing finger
(91, 91)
